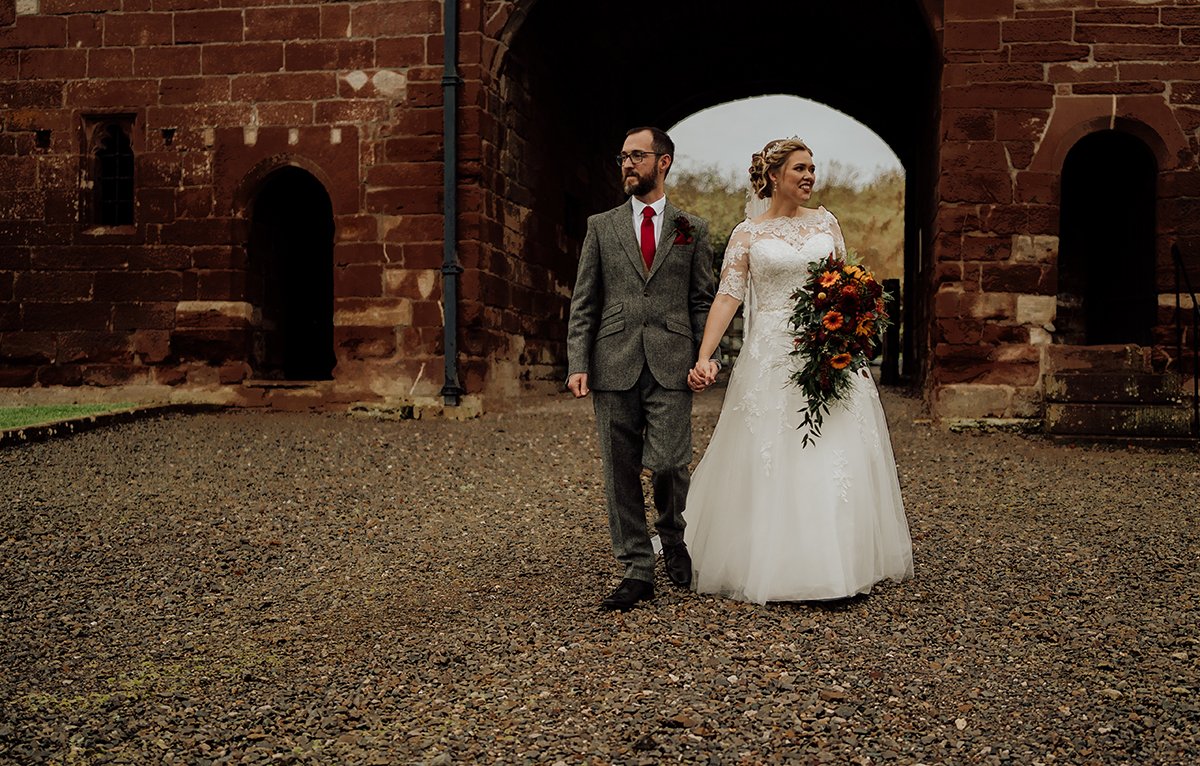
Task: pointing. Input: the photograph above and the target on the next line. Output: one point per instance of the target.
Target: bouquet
(837, 328)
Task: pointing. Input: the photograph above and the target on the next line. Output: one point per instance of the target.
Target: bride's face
(796, 177)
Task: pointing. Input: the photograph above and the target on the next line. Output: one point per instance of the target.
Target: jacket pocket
(610, 328)
(611, 311)
(680, 328)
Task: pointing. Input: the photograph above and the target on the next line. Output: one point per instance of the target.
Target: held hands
(703, 375)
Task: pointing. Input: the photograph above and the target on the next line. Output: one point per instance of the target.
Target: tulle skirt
(770, 520)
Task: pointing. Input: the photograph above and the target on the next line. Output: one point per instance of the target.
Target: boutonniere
(683, 229)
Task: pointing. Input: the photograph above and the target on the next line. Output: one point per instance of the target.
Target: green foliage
(717, 198)
(871, 214)
(19, 417)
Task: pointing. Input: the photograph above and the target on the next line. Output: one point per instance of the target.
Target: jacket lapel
(622, 225)
(666, 239)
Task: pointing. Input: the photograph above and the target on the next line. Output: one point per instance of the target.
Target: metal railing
(1183, 280)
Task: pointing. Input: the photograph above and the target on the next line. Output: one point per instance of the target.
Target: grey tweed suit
(635, 332)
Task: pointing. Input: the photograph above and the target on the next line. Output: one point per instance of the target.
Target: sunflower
(841, 361)
(865, 327)
(833, 321)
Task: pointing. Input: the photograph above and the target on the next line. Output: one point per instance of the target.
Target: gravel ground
(295, 588)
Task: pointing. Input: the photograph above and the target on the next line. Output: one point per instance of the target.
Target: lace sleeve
(736, 267)
(839, 242)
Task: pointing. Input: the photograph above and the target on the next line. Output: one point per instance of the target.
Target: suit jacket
(623, 317)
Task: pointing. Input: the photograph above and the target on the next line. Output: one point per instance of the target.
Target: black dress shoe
(628, 593)
(679, 564)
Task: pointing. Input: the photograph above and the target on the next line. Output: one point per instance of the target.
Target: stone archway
(289, 279)
(573, 77)
(1107, 241)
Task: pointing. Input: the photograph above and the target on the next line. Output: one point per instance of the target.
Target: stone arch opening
(289, 279)
(572, 77)
(1108, 238)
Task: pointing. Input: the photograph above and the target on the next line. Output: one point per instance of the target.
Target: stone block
(1040, 249)
(381, 19)
(60, 375)
(283, 23)
(139, 29)
(329, 54)
(1126, 34)
(236, 58)
(1000, 96)
(53, 64)
(150, 346)
(209, 26)
(379, 312)
(288, 86)
(53, 286)
(34, 32)
(91, 315)
(982, 187)
(27, 348)
(92, 346)
(1118, 420)
(972, 35)
(989, 306)
(971, 401)
(1037, 310)
(969, 124)
(1114, 387)
(1048, 52)
(1018, 278)
(1109, 358)
(166, 60)
(358, 281)
(1041, 29)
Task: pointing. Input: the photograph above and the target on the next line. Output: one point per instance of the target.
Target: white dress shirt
(658, 206)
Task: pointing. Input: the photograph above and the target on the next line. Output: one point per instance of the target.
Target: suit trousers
(649, 426)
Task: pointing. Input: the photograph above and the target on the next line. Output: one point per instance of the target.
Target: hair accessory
(777, 145)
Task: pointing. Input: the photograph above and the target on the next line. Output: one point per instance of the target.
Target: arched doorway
(290, 277)
(569, 97)
(1106, 257)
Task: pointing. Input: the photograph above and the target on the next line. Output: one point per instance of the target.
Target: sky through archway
(727, 134)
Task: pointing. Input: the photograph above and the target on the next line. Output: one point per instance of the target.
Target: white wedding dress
(768, 519)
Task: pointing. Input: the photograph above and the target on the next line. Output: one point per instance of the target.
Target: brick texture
(222, 98)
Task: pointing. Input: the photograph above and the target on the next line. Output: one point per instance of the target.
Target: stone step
(1119, 420)
(1115, 387)
(1113, 358)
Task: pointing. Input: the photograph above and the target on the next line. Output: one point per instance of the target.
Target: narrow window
(112, 176)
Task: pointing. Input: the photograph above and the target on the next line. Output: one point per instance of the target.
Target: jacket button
(645, 293)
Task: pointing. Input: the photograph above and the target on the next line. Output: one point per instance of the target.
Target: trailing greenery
(871, 213)
(20, 417)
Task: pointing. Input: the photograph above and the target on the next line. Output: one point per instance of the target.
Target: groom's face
(641, 178)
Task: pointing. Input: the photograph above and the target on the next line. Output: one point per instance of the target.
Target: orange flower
(840, 362)
(864, 327)
(833, 321)
(830, 278)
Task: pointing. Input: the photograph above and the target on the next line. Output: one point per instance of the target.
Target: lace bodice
(770, 258)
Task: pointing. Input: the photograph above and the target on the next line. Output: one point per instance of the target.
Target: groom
(642, 293)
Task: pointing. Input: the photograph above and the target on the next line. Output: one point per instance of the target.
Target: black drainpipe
(452, 391)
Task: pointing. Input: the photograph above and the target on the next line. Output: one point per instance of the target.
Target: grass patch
(19, 417)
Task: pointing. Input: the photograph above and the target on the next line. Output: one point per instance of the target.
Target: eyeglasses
(636, 156)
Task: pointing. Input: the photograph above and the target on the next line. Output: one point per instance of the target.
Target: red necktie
(648, 243)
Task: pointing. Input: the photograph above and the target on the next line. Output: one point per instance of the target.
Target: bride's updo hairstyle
(771, 159)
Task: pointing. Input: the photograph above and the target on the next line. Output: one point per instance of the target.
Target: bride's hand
(703, 375)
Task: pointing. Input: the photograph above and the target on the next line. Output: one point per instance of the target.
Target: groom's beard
(636, 185)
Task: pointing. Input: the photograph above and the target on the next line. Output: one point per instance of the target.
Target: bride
(768, 519)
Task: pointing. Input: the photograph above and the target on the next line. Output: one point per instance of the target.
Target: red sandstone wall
(1024, 80)
(349, 91)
